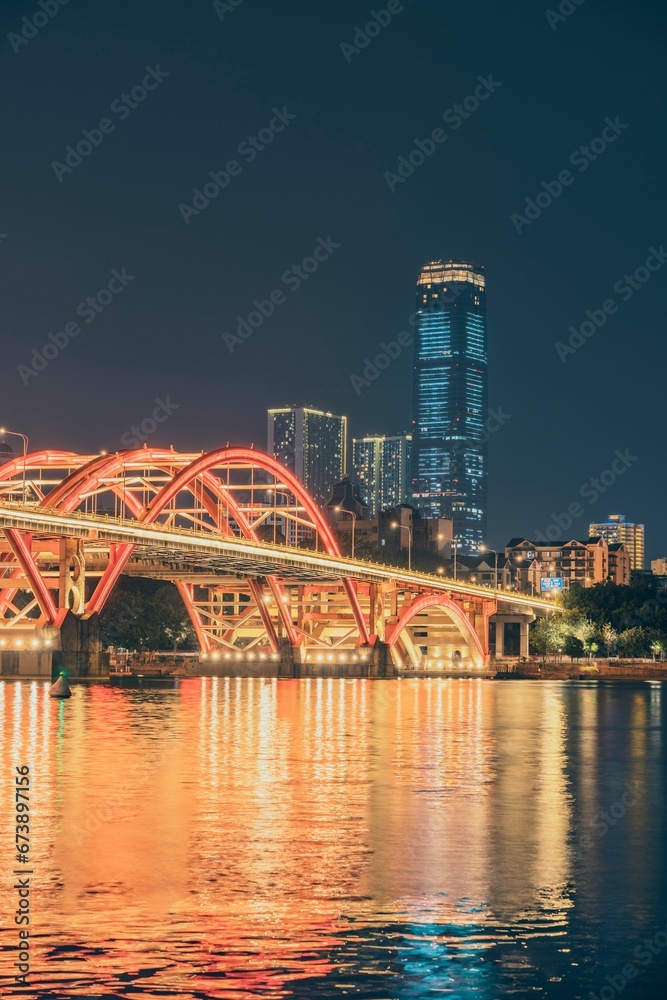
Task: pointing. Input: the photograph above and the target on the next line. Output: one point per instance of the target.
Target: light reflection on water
(319, 838)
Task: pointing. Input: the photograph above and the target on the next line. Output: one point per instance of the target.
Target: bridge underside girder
(234, 614)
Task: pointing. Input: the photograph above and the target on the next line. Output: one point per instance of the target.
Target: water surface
(329, 838)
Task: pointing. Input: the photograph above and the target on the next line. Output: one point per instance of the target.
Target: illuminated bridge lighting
(207, 523)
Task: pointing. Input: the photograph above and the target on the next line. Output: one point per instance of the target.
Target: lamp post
(407, 527)
(485, 548)
(455, 547)
(5, 433)
(342, 510)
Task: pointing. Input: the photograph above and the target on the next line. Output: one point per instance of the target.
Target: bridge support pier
(288, 665)
(381, 661)
(511, 635)
(376, 662)
(80, 652)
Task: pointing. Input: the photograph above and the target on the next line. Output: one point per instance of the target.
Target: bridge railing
(437, 580)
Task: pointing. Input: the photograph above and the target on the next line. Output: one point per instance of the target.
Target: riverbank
(583, 671)
(499, 672)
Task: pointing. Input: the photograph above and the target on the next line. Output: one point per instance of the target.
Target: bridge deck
(209, 554)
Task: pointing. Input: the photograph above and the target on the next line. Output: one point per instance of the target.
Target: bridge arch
(257, 460)
(450, 611)
(14, 478)
(166, 476)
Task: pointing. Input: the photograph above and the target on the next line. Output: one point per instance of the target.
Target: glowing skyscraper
(449, 464)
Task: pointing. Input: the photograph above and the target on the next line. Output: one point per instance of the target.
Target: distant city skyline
(322, 178)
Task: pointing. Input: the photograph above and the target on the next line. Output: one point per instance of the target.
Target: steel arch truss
(231, 492)
(433, 630)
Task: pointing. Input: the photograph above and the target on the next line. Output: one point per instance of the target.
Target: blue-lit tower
(449, 455)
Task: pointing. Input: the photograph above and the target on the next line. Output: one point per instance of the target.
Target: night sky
(162, 336)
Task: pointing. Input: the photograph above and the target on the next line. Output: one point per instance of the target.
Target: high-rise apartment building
(382, 467)
(617, 529)
(312, 445)
(449, 453)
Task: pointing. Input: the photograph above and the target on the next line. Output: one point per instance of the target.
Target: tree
(610, 638)
(658, 648)
(146, 615)
(591, 648)
(582, 628)
(174, 619)
(547, 636)
(634, 642)
(573, 647)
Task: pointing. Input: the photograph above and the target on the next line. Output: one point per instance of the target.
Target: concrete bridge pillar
(80, 652)
(381, 661)
(288, 665)
(512, 634)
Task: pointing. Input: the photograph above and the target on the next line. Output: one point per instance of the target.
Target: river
(330, 838)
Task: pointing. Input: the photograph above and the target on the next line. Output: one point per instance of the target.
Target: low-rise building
(484, 570)
(346, 500)
(395, 530)
(539, 566)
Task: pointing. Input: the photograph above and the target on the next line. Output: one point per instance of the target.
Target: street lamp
(5, 433)
(342, 510)
(395, 524)
(485, 548)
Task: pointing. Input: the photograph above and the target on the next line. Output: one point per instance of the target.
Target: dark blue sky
(162, 336)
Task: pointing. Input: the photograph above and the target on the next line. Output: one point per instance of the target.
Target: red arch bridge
(256, 564)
